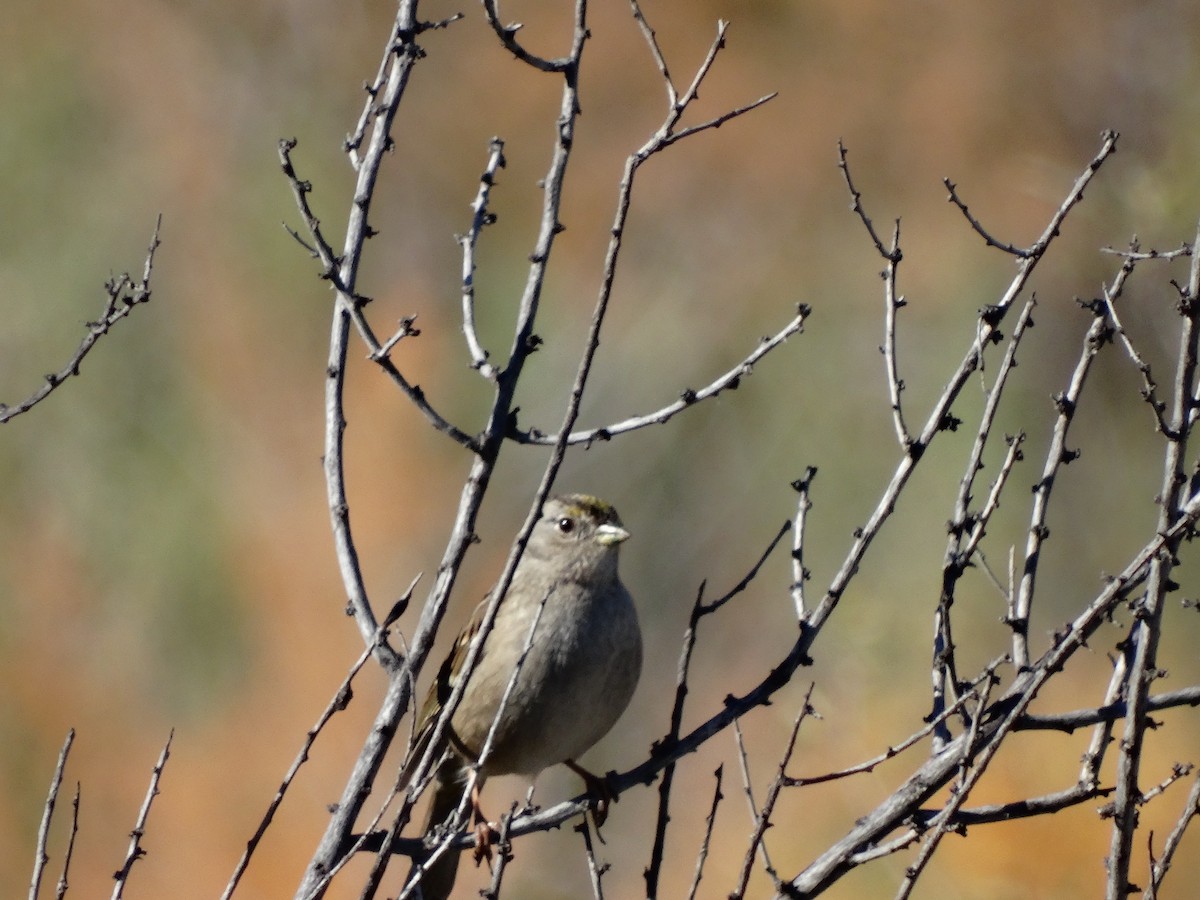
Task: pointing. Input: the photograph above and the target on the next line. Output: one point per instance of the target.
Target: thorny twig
(139, 829)
(40, 856)
(339, 702)
(1142, 643)
(1160, 866)
(763, 817)
(124, 295)
(60, 890)
(709, 821)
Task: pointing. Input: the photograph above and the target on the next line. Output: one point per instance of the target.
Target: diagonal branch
(124, 295)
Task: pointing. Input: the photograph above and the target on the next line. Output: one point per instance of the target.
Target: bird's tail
(438, 880)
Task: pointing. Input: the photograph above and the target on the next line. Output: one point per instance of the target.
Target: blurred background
(165, 559)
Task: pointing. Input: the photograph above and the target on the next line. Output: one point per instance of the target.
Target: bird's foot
(486, 837)
(599, 788)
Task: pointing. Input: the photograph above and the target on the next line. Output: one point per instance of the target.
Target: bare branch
(124, 295)
(1149, 386)
(121, 876)
(507, 35)
(1016, 251)
(893, 750)
(595, 870)
(1110, 712)
(969, 775)
(503, 853)
(1144, 634)
(892, 303)
(60, 890)
(1160, 867)
(800, 574)
(40, 857)
(339, 702)
(763, 817)
(709, 821)
(468, 242)
(688, 398)
(892, 255)
(756, 846)
(1057, 456)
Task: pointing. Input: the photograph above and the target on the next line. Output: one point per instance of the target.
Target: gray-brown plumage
(578, 678)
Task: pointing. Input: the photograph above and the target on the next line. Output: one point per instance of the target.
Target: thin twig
(856, 204)
(339, 702)
(756, 846)
(700, 609)
(1057, 456)
(1158, 871)
(1149, 386)
(763, 818)
(800, 575)
(892, 751)
(709, 821)
(480, 218)
(1178, 772)
(508, 37)
(1146, 629)
(121, 876)
(595, 870)
(43, 835)
(1018, 252)
(63, 880)
(124, 295)
(968, 777)
(729, 381)
(1137, 253)
(662, 815)
(1111, 711)
(893, 303)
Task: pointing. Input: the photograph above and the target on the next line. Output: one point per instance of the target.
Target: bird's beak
(610, 534)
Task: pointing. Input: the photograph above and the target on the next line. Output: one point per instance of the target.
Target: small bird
(580, 673)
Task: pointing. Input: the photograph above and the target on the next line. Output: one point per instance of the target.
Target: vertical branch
(1058, 456)
(139, 829)
(892, 304)
(940, 416)
(503, 855)
(756, 846)
(60, 890)
(662, 816)
(800, 574)
(1148, 612)
(486, 448)
(596, 870)
(481, 217)
(709, 821)
(762, 820)
(966, 529)
(381, 109)
(1093, 757)
(40, 857)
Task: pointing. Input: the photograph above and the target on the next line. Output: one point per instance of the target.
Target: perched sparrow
(578, 678)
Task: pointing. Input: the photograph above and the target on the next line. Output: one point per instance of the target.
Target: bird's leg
(485, 833)
(596, 786)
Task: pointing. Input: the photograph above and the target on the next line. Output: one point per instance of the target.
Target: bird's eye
(565, 525)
